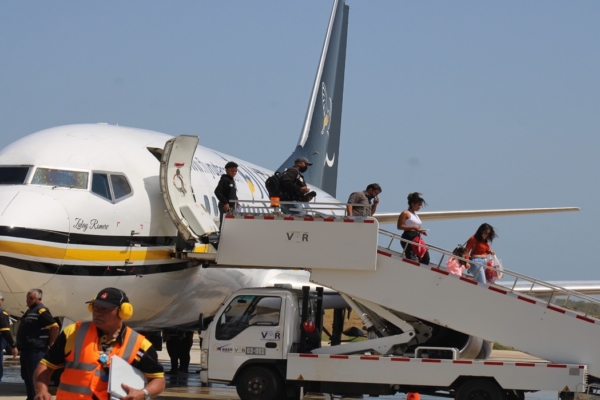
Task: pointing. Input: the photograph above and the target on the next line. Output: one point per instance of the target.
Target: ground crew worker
(37, 332)
(84, 350)
(5, 337)
(179, 343)
(172, 340)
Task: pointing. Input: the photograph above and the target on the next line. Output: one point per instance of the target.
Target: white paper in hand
(122, 372)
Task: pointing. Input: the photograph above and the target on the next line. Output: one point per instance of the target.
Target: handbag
(494, 268)
(419, 250)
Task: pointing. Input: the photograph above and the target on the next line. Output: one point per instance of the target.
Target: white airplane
(81, 208)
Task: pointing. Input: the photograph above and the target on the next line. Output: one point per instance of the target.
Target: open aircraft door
(194, 223)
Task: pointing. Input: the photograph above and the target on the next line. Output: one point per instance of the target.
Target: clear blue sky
(478, 105)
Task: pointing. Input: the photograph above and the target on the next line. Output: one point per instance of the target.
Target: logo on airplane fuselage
(94, 224)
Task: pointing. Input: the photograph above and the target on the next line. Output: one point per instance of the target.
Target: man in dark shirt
(5, 337)
(37, 332)
(226, 190)
(293, 186)
(367, 197)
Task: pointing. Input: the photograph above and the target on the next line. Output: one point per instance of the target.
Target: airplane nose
(34, 231)
(32, 211)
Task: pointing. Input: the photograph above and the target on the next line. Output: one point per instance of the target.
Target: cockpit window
(120, 186)
(100, 186)
(60, 178)
(111, 187)
(13, 175)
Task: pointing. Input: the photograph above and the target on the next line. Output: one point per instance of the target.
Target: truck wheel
(515, 395)
(479, 389)
(259, 383)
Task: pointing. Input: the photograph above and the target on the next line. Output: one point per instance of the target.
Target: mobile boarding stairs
(343, 254)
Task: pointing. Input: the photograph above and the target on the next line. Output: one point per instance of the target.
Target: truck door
(250, 327)
(191, 219)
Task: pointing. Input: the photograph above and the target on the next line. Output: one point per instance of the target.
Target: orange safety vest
(83, 371)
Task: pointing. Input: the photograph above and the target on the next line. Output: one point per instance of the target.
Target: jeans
(477, 271)
(30, 358)
(289, 208)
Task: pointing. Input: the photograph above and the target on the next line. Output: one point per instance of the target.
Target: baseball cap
(109, 298)
(1, 298)
(303, 159)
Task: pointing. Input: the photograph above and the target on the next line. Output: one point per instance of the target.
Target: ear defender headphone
(125, 309)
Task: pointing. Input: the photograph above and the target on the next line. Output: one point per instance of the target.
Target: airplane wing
(591, 288)
(392, 218)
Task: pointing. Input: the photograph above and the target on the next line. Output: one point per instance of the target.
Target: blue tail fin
(320, 136)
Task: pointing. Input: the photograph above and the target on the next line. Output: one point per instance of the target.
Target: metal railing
(312, 208)
(553, 291)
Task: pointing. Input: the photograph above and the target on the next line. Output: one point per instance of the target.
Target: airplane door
(250, 327)
(191, 219)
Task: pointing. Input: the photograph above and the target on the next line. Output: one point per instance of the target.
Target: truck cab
(253, 333)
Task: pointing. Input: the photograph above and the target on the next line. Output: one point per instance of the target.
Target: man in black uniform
(5, 337)
(293, 187)
(226, 190)
(37, 332)
(179, 343)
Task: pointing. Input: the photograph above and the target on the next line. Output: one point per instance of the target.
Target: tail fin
(320, 137)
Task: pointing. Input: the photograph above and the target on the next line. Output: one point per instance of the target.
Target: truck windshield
(245, 311)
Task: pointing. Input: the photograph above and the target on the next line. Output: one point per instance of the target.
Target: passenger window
(120, 186)
(215, 206)
(60, 178)
(13, 175)
(100, 186)
(207, 203)
(245, 311)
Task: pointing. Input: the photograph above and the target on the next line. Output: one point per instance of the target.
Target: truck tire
(515, 395)
(259, 383)
(479, 389)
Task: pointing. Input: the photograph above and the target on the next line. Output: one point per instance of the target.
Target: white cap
(1, 298)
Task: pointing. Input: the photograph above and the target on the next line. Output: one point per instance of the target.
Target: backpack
(272, 184)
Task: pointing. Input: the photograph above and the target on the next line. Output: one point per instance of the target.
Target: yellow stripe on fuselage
(82, 254)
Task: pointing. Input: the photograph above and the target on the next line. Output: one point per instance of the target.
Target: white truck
(267, 343)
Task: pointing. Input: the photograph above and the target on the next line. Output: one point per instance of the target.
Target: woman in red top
(478, 247)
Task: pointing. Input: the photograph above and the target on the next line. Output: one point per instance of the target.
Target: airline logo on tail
(327, 106)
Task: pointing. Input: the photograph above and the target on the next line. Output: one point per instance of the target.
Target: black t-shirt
(226, 191)
(33, 330)
(5, 329)
(291, 183)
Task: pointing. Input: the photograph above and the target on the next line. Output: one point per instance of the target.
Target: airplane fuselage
(89, 214)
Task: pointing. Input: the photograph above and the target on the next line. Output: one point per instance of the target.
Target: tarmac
(184, 386)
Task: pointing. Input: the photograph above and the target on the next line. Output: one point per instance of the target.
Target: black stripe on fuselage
(88, 240)
(92, 270)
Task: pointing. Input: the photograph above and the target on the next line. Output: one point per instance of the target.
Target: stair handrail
(555, 290)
